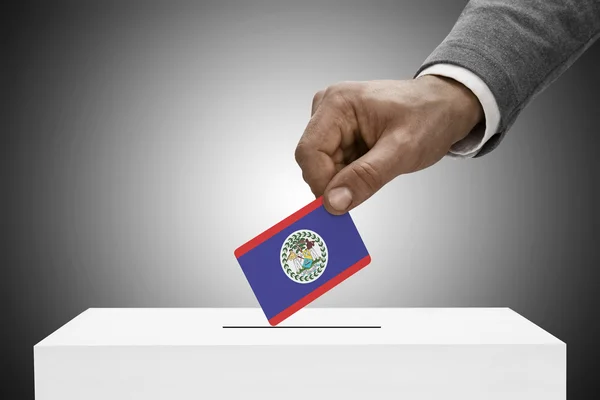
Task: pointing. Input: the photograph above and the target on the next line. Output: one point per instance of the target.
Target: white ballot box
(337, 353)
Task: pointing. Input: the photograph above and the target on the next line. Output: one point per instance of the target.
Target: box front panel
(418, 372)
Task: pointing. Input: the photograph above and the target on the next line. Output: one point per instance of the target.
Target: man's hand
(364, 134)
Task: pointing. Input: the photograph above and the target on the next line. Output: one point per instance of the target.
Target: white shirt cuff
(470, 146)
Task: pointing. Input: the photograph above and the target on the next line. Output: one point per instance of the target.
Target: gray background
(142, 143)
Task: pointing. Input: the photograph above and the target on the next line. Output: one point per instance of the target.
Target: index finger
(318, 152)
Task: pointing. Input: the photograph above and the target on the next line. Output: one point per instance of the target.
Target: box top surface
(310, 326)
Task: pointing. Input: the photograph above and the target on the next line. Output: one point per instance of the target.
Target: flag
(299, 259)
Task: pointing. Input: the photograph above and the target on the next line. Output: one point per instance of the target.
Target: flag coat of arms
(299, 259)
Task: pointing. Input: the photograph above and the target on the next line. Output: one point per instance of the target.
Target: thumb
(359, 180)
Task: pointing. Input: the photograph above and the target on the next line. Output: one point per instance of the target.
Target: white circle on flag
(303, 256)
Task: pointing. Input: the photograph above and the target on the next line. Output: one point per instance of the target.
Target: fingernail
(340, 198)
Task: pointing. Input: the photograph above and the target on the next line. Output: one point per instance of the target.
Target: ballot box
(336, 353)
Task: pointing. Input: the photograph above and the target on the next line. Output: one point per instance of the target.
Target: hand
(364, 134)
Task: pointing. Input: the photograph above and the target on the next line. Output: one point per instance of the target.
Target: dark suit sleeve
(518, 48)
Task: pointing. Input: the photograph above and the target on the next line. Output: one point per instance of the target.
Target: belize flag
(299, 259)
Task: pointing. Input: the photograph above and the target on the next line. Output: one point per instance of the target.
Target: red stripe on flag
(321, 290)
(266, 235)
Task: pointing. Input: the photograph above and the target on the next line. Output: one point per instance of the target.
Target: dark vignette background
(142, 142)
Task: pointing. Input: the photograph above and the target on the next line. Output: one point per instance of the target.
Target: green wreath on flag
(298, 242)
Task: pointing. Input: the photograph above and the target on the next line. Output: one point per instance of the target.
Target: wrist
(462, 103)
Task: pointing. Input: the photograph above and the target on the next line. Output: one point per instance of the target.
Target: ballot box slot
(303, 327)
